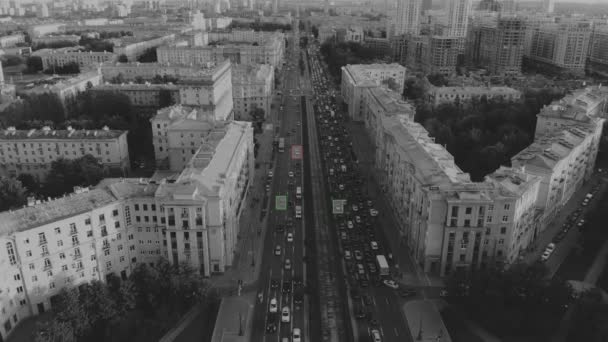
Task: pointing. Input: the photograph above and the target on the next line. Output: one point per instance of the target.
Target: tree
(165, 99)
(12, 193)
(34, 64)
(29, 182)
(123, 58)
(315, 31)
(438, 80)
(257, 117)
(11, 60)
(148, 57)
(65, 174)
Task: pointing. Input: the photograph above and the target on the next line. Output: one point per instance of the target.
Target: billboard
(296, 152)
(338, 206)
(280, 202)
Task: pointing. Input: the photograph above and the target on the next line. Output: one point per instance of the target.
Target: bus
(281, 144)
(382, 265)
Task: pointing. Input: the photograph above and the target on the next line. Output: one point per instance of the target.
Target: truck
(298, 192)
(382, 265)
(281, 144)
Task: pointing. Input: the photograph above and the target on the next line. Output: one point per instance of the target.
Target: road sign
(280, 202)
(338, 206)
(296, 152)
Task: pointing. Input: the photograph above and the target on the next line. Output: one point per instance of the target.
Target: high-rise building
(497, 45)
(275, 6)
(563, 46)
(440, 54)
(598, 50)
(426, 5)
(407, 18)
(458, 17)
(548, 6)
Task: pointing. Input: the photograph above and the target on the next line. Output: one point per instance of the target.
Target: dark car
(367, 300)
(297, 280)
(360, 313)
(286, 287)
(271, 328)
(354, 293)
(406, 293)
(274, 283)
(298, 297)
(280, 228)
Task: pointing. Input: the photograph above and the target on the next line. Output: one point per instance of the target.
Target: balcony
(42, 242)
(75, 242)
(104, 232)
(47, 267)
(77, 256)
(73, 231)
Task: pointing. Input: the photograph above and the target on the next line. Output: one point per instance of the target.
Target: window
(106, 252)
(115, 212)
(47, 263)
(116, 224)
(505, 218)
(28, 253)
(57, 230)
(462, 257)
(64, 267)
(87, 221)
(17, 276)
(501, 241)
(59, 243)
(19, 289)
(34, 278)
(507, 206)
(491, 207)
(51, 285)
(489, 219)
(145, 207)
(11, 253)
(102, 218)
(62, 256)
(108, 264)
(41, 238)
(136, 207)
(455, 211)
(32, 266)
(468, 210)
(89, 233)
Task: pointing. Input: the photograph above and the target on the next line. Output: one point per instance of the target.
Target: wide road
(384, 305)
(277, 280)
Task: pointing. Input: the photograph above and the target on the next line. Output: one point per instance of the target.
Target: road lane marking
(396, 332)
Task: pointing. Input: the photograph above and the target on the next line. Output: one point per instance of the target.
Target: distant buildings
(407, 18)
(458, 18)
(498, 45)
(134, 47)
(357, 77)
(143, 95)
(439, 54)
(598, 50)
(73, 55)
(354, 34)
(560, 46)
(72, 38)
(33, 151)
(11, 40)
(464, 95)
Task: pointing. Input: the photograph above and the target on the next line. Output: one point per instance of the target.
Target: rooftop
(59, 82)
(581, 105)
(124, 188)
(246, 73)
(474, 90)
(391, 102)
(53, 210)
(46, 133)
(361, 73)
(511, 182)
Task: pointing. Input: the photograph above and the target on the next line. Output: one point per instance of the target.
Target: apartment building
(11, 40)
(134, 47)
(497, 45)
(598, 50)
(463, 95)
(88, 235)
(44, 29)
(561, 46)
(354, 34)
(451, 222)
(357, 77)
(566, 142)
(56, 38)
(143, 95)
(407, 18)
(63, 56)
(65, 88)
(439, 54)
(458, 17)
(240, 47)
(33, 151)
(252, 87)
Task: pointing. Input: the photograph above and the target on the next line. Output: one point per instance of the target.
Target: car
(341, 187)
(343, 236)
(360, 312)
(270, 174)
(296, 335)
(355, 208)
(545, 256)
(375, 335)
(277, 250)
(373, 212)
(358, 219)
(267, 188)
(290, 174)
(285, 315)
(358, 255)
(298, 123)
(298, 297)
(273, 305)
(354, 293)
(369, 203)
(360, 269)
(287, 264)
(347, 254)
(367, 300)
(280, 228)
(443, 293)
(391, 283)
(350, 224)
(286, 287)
(374, 245)
(550, 247)
(271, 328)
(559, 237)
(289, 237)
(581, 224)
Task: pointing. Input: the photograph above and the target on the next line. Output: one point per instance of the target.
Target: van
(298, 211)
(298, 192)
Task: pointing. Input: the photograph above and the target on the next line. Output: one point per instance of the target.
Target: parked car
(391, 283)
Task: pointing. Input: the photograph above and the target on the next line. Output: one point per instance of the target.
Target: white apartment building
(240, 47)
(407, 18)
(147, 71)
(451, 222)
(357, 77)
(56, 38)
(11, 40)
(88, 235)
(462, 95)
(44, 29)
(63, 56)
(563, 45)
(33, 151)
(458, 17)
(134, 47)
(252, 87)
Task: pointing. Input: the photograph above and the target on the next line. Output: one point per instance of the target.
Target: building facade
(64, 56)
(458, 17)
(92, 233)
(11, 40)
(407, 18)
(598, 50)
(464, 95)
(357, 77)
(497, 46)
(252, 87)
(33, 151)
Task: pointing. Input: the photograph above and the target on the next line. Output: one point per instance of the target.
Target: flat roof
(50, 134)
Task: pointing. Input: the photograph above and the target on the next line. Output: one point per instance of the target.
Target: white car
(287, 264)
(546, 254)
(355, 208)
(373, 212)
(277, 250)
(375, 334)
(273, 305)
(285, 316)
(350, 225)
(550, 247)
(347, 254)
(296, 335)
(289, 237)
(290, 174)
(391, 283)
(374, 245)
(341, 187)
(270, 174)
(358, 219)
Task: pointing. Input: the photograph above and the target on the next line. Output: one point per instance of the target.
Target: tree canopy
(12, 193)
(337, 55)
(65, 174)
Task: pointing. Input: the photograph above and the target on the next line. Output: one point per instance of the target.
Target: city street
(283, 276)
